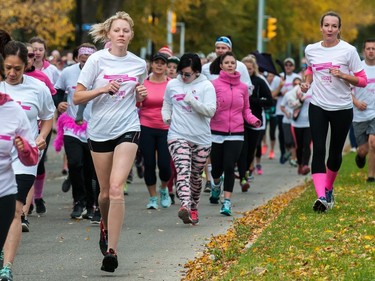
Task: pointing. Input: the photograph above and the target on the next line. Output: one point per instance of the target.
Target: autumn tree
(48, 19)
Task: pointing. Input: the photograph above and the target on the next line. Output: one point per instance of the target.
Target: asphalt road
(154, 244)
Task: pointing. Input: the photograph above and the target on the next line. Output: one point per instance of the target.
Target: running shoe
(184, 215)
(165, 199)
(264, 149)
(110, 262)
(207, 187)
(293, 162)
(258, 169)
(215, 193)
(330, 198)
(305, 170)
(89, 213)
(360, 161)
(103, 241)
(370, 179)
(271, 155)
(245, 185)
(6, 274)
(194, 217)
(320, 205)
(153, 203)
(78, 210)
(25, 224)
(96, 217)
(226, 208)
(66, 185)
(40, 206)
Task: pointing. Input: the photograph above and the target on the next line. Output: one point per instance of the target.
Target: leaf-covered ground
(285, 240)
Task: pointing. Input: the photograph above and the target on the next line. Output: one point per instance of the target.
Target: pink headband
(85, 51)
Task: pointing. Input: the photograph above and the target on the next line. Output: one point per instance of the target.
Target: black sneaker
(110, 262)
(66, 185)
(370, 179)
(77, 211)
(103, 241)
(25, 224)
(96, 217)
(89, 214)
(40, 206)
(360, 161)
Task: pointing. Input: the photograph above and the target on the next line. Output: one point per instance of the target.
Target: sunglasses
(288, 64)
(185, 74)
(31, 55)
(224, 40)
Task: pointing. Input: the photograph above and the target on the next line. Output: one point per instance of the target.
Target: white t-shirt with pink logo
(14, 123)
(36, 101)
(366, 95)
(113, 115)
(329, 92)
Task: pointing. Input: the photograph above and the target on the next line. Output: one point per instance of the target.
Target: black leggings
(251, 140)
(7, 210)
(81, 170)
(223, 159)
(154, 148)
(281, 134)
(303, 142)
(339, 121)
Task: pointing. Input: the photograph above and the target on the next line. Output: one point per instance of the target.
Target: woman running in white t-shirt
(330, 63)
(112, 78)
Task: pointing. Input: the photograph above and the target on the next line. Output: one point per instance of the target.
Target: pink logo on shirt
(120, 78)
(24, 107)
(324, 65)
(179, 97)
(4, 137)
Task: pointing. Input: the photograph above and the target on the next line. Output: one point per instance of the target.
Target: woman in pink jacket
(227, 126)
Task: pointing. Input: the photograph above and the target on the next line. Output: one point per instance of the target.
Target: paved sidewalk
(154, 244)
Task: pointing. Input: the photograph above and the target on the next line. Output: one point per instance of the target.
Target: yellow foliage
(48, 19)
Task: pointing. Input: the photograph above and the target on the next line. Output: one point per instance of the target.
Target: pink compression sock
(38, 186)
(330, 179)
(319, 180)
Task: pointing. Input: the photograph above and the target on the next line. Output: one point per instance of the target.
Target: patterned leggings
(189, 160)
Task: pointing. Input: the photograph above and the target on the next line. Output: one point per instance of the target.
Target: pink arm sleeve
(308, 70)
(29, 155)
(362, 78)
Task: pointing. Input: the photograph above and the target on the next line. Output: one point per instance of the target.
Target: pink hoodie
(233, 105)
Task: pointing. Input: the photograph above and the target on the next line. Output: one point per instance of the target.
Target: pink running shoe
(259, 169)
(194, 217)
(271, 155)
(264, 149)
